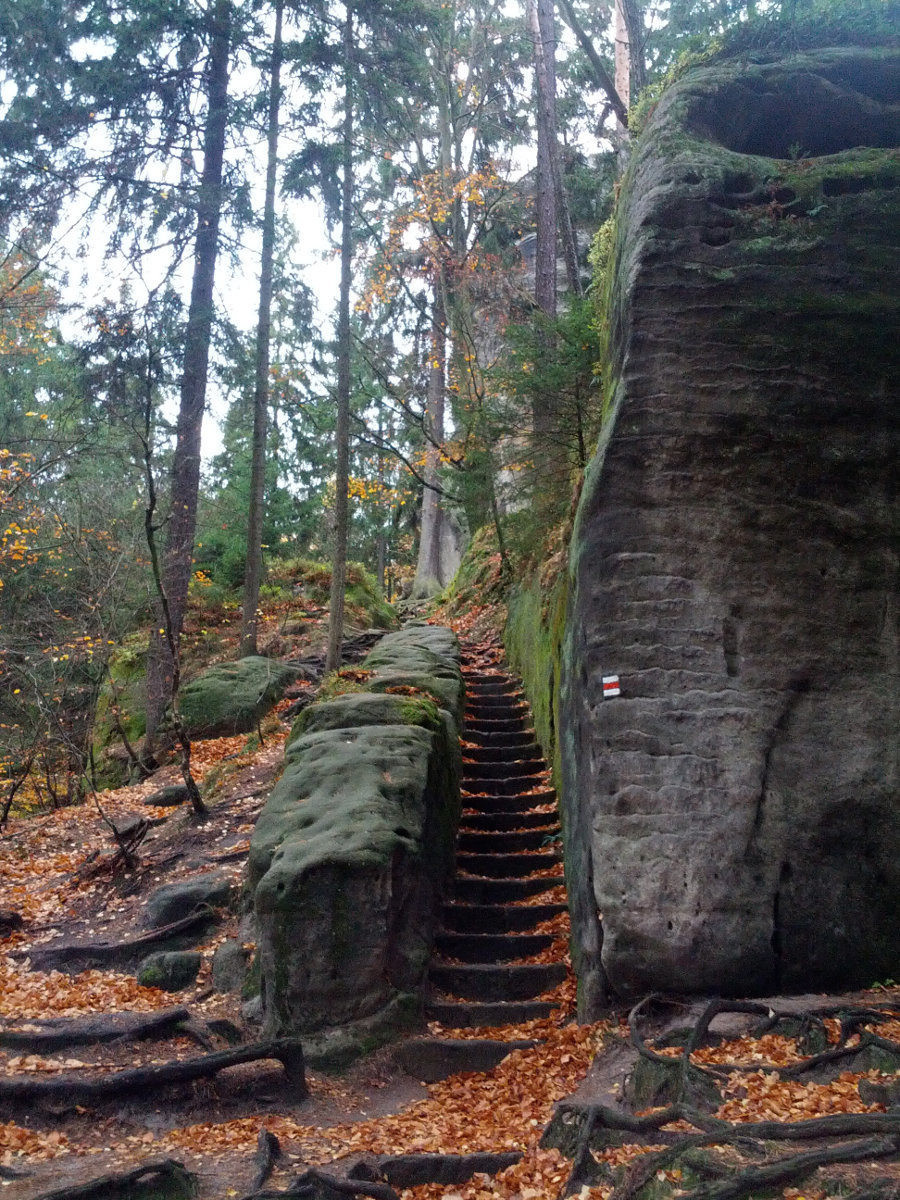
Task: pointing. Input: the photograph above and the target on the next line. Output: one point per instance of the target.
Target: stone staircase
(478, 977)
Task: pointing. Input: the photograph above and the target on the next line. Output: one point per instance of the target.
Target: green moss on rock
(366, 708)
(233, 697)
(351, 850)
(128, 690)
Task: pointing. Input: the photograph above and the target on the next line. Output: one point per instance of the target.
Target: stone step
(502, 891)
(496, 982)
(506, 866)
(487, 685)
(491, 947)
(509, 804)
(431, 1059)
(499, 739)
(514, 768)
(497, 918)
(526, 752)
(481, 842)
(517, 723)
(493, 707)
(509, 786)
(503, 822)
(471, 1016)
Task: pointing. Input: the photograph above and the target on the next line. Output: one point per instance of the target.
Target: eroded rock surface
(734, 811)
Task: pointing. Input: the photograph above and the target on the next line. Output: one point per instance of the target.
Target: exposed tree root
(69, 1089)
(314, 1184)
(716, 1130)
(689, 1079)
(413, 1170)
(164, 1179)
(77, 956)
(61, 1034)
(883, 1130)
(795, 1167)
(268, 1151)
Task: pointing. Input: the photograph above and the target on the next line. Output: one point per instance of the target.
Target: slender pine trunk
(543, 33)
(253, 575)
(544, 416)
(162, 672)
(342, 433)
(429, 575)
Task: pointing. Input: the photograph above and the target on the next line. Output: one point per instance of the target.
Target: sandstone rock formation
(353, 845)
(733, 814)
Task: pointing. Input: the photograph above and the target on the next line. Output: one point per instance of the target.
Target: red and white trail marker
(611, 686)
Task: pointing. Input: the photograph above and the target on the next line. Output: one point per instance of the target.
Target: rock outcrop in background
(733, 815)
(353, 846)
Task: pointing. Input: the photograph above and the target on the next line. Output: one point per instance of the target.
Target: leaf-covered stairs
(508, 880)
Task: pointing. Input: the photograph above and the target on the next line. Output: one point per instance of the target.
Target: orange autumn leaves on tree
(19, 516)
(26, 304)
(435, 230)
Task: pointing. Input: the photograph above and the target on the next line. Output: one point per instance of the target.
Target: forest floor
(60, 874)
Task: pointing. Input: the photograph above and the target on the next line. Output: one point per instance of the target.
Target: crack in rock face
(735, 553)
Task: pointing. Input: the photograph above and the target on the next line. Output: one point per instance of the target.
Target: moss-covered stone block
(352, 848)
(366, 708)
(171, 971)
(233, 697)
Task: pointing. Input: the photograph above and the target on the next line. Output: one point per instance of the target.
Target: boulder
(169, 796)
(233, 697)
(350, 852)
(229, 966)
(175, 900)
(172, 970)
(733, 812)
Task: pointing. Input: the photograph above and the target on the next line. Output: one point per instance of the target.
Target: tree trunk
(429, 571)
(542, 25)
(185, 483)
(633, 17)
(622, 57)
(342, 434)
(253, 575)
(381, 538)
(604, 80)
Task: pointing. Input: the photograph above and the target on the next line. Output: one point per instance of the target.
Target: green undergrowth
(533, 638)
(480, 579)
(365, 605)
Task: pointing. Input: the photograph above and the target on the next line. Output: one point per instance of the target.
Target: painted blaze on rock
(353, 846)
(735, 556)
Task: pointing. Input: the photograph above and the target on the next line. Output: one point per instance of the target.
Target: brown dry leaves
(17, 1143)
(31, 994)
(763, 1096)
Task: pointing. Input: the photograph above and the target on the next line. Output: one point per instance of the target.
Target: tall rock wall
(735, 812)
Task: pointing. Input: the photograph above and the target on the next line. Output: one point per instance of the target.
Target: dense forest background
(279, 287)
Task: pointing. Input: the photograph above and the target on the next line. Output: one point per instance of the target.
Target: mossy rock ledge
(734, 556)
(232, 697)
(352, 849)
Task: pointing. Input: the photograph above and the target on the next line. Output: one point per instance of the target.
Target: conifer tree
(253, 575)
